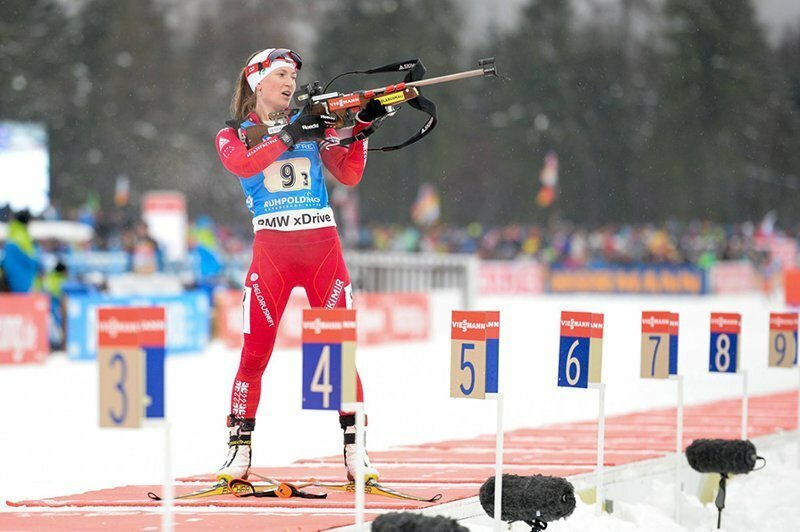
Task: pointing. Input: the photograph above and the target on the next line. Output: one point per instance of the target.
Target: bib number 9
(288, 175)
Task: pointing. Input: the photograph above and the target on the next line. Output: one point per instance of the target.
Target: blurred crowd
(219, 253)
(695, 243)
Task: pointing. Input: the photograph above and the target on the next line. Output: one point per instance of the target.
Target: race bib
(288, 174)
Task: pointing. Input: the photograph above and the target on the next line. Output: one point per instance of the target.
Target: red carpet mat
(454, 468)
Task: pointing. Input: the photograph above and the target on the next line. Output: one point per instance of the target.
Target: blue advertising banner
(628, 280)
(188, 321)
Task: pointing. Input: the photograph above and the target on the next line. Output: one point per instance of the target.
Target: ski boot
(237, 465)
(348, 424)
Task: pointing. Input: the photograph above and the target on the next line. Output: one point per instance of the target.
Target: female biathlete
(296, 243)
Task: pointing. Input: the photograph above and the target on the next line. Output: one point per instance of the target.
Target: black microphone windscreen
(530, 498)
(722, 456)
(408, 522)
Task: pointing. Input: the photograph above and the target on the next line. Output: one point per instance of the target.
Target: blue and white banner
(188, 320)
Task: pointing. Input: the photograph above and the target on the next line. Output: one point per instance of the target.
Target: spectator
(20, 265)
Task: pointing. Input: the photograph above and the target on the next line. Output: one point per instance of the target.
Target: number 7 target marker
(660, 361)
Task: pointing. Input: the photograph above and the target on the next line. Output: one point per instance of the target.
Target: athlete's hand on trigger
(372, 111)
(306, 127)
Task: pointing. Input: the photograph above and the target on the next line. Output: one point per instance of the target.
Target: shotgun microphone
(535, 500)
(408, 522)
(722, 456)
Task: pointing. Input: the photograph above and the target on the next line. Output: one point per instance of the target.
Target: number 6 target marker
(474, 370)
(580, 365)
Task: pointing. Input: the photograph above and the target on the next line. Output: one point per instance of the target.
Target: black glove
(372, 111)
(306, 127)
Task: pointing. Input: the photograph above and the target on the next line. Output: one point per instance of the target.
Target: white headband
(255, 74)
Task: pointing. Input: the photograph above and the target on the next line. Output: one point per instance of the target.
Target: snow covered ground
(51, 443)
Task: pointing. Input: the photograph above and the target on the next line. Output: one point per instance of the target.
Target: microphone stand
(720, 500)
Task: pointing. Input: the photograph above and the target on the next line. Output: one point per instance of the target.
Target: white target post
(783, 349)
(580, 364)
(131, 347)
(329, 377)
(474, 369)
(659, 360)
(724, 353)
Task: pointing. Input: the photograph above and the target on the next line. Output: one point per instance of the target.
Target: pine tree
(709, 117)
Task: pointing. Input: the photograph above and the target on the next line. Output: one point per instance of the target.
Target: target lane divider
(724, 356)
(580, 365)
(329, 343)
(659, 360)
(783, 350)
(329, 378)
(131, 347)
(474, 374)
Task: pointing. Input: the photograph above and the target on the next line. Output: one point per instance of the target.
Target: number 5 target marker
(580, 364)
(474, 370)
(724, 353)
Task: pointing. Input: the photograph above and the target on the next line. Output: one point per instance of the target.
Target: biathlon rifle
(340, 110)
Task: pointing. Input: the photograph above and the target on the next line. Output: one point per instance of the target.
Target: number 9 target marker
(782, 339)
(329, 374)
(724, 346)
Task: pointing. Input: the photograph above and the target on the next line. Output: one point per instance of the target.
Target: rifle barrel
(449, 77)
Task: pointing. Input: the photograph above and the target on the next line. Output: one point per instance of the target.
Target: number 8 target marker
(724, 348)
(724, 352)
(329, 375)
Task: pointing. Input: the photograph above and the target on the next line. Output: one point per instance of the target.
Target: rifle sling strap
(415, 71)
